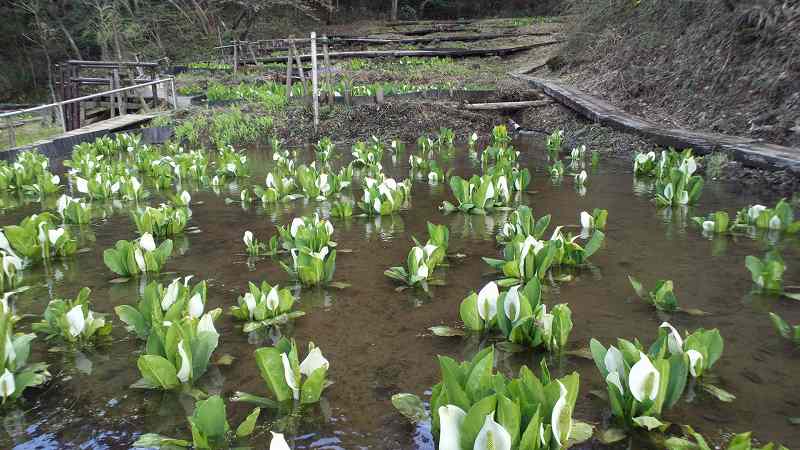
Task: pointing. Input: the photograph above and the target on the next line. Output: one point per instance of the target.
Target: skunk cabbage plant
(37, 238)
(16, 373)
(288, 379)
(384, 197)
(178, 352)
(662, 297)
(476, 196)
(132, 258)
(308, 240)
(788, 332)
(693, 440)
(265, 306)
(781, 217)
(474, 407)
(644, 164)
(72, 321)
(767, 274)
(594, 221)
(159, 304)
(522, 222)
(73, 210)
(209, 427)
(680, 186)
(162, 222)
(420, 264)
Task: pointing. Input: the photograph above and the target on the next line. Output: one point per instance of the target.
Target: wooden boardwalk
(749, 151)
(60, 144)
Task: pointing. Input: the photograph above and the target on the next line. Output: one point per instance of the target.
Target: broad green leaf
(158, 371)
(410, 406)
(248, 424)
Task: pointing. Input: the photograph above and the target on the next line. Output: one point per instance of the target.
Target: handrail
(86, 97)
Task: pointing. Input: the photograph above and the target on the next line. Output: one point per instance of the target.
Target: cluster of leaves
(288, 379)
(519, 314)
(132, 258)
(767, 274)
(642, 385)
(209, 426)
(308, 239)
(265, 306)
(474, 407)
(73, 322)
(16, 373)
(29, 176)
(37, 238)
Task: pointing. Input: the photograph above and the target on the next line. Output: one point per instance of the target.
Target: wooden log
(426, 40)
(314, 81)
(289, 73)
(300, 68)
(749, 151)
(452, 53)
(500, 106)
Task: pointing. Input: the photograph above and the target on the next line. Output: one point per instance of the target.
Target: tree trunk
(71, 41)
(394, 10)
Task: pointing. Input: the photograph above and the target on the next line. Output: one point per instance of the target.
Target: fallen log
(501, 106)
(452, 53)
(429, 22)
(746, 150)
(426, 40)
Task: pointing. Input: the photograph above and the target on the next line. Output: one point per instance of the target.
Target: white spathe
(775, 223)
(7, 385)
(55, 235)
(614, 361)
(587, 221)
(186, 198)
(196, 306)
(708, 226)
(250, 302)
(695, 362)
(755, 211)
(139, 258)
(492, 436)
(561, 418)
(248, 238)
(297, 223)
(273, 299)
(451, 417)
(206, 324)
(487, 301)
(186, 366)
(644, 379)
(313, 361)
(674, 340)
(147, 242)
(512, 304)
(289, 376)
(171, 294)
(76, 321)
(278, 442)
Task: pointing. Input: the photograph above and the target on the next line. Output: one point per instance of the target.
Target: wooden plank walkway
(749, 151)
(57, 145)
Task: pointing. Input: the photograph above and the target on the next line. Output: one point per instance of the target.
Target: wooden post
(379, 95)
(300, 68)
(174, 94)
(76, 119)
(314, 81)
(252, 53)
(114, 98)
(154, 88)
(347, 93)
(329, 77)
(235, 56)
(289, 72)
(12, 137)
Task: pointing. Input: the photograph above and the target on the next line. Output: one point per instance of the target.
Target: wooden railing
(7, 117)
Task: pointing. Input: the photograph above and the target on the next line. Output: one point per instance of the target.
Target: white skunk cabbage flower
(451, 417)
(147, 243)
(278, 442)
(487, 301)
(186, 366)
(644, 379)
(492, 436)
(7, 385)
(561, 418)
(76, 321)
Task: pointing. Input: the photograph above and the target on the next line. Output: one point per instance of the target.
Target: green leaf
(475, 418)
(410, 406)
(445, 331)
(719, 393)
(158, 371)
(312, 388)
(152, 440)
(210, 417)
(270, 366)
(612, 435)
(248, 424)
(581, 432)
(134, 319)
(637, 287)
(594, 243)
(650, 423)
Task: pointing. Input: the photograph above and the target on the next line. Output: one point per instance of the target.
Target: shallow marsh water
(376, 338)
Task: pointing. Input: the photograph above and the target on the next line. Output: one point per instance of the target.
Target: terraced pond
(376, 337)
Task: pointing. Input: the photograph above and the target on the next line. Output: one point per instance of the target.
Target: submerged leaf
(410, 406)
(612, 435)
(445, 331)
(719, 393)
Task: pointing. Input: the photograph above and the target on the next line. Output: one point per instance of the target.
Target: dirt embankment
(730, 66)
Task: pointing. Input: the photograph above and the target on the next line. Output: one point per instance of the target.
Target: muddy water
(375, 337)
